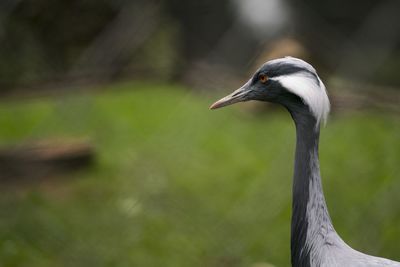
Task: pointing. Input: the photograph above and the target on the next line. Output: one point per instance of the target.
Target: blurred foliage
(178, 185)
(45, 41)
(70, 40)
(40, 39)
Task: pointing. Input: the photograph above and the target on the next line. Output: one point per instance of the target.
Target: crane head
(288, 81)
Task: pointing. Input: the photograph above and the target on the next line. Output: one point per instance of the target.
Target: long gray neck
(310, 216)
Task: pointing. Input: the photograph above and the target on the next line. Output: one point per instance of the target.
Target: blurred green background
(109, 155)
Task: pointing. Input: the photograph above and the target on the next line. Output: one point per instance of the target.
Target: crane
(296, 85)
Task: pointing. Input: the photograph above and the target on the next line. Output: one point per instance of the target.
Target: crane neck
(310, 217)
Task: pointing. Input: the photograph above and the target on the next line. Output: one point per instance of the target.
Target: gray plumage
(295, 84)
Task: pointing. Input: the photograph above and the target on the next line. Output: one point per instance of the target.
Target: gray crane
(295, 84)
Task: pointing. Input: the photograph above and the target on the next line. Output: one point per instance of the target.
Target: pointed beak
(237, 96)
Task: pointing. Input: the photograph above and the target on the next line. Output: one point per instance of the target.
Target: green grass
(175, 184)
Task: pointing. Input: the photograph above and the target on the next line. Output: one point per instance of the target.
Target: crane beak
(237, 96)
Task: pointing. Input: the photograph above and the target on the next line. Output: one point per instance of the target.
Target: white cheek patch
(314, 95)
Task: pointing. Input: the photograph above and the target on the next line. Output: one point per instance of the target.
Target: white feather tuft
(313, 94)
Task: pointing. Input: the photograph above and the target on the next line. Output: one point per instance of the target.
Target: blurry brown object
(41, 159)
(281, 48)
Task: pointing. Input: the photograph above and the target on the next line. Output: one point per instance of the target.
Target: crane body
(296, 85)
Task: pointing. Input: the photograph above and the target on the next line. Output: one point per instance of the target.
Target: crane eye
(263, 78)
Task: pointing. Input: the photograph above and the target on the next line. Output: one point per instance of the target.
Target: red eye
(263, 78)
